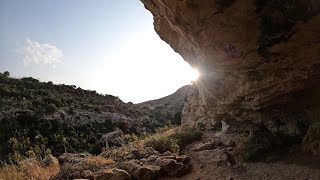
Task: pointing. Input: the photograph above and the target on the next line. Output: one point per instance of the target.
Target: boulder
(113, 174)
(183, 159)
(140, 171)
(50, 160)
(151, 158)
(168, 153)
(172, 167)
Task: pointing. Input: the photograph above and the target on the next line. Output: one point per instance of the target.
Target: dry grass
(33, 170)
(140, 145)
(99, 161)
(28, 170)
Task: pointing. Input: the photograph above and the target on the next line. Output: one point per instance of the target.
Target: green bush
(174, 141)
(163, 144)
(187, 136)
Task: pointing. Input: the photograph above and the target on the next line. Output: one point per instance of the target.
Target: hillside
(177, 98)
(41, 117)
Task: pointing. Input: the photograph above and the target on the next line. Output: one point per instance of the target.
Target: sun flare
(194, 76)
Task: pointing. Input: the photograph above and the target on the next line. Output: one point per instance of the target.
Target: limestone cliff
(259, 60)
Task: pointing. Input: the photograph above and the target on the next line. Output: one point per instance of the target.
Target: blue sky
(105, 45)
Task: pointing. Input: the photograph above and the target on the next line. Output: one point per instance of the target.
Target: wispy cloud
(41, 53)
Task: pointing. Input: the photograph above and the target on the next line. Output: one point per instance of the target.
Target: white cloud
(37, 53)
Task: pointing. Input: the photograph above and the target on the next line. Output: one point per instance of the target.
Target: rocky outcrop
(258, 60)
(155, 165)
(85, 165)
(147, 166)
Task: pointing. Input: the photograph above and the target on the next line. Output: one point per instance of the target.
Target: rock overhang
(259, 60)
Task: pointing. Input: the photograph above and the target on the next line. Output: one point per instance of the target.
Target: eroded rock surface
(259, 61)
(311, 142)
(149, 166)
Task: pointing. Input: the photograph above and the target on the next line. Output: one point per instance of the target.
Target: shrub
(163, 144)
(6, 74)
(48, 151)
(51, 108)
(187, 136)
(176, 140)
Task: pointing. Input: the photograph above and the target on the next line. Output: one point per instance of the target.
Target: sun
(194, 75)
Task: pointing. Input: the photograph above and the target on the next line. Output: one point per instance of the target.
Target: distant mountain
(175, 99)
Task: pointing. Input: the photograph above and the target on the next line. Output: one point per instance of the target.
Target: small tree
(6, 74)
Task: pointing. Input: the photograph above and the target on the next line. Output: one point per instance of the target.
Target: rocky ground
(215, 157)
(145, 166)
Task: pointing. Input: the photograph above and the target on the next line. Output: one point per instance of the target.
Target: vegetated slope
(39, 117)
(177, 98)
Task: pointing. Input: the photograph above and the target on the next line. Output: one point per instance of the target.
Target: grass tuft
(28, 169)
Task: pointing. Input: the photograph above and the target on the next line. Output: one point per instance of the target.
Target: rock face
(259, 61)
(311, 142)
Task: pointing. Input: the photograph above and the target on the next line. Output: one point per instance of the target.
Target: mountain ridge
(178, 97)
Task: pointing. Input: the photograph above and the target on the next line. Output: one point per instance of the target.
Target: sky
(105, 45)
